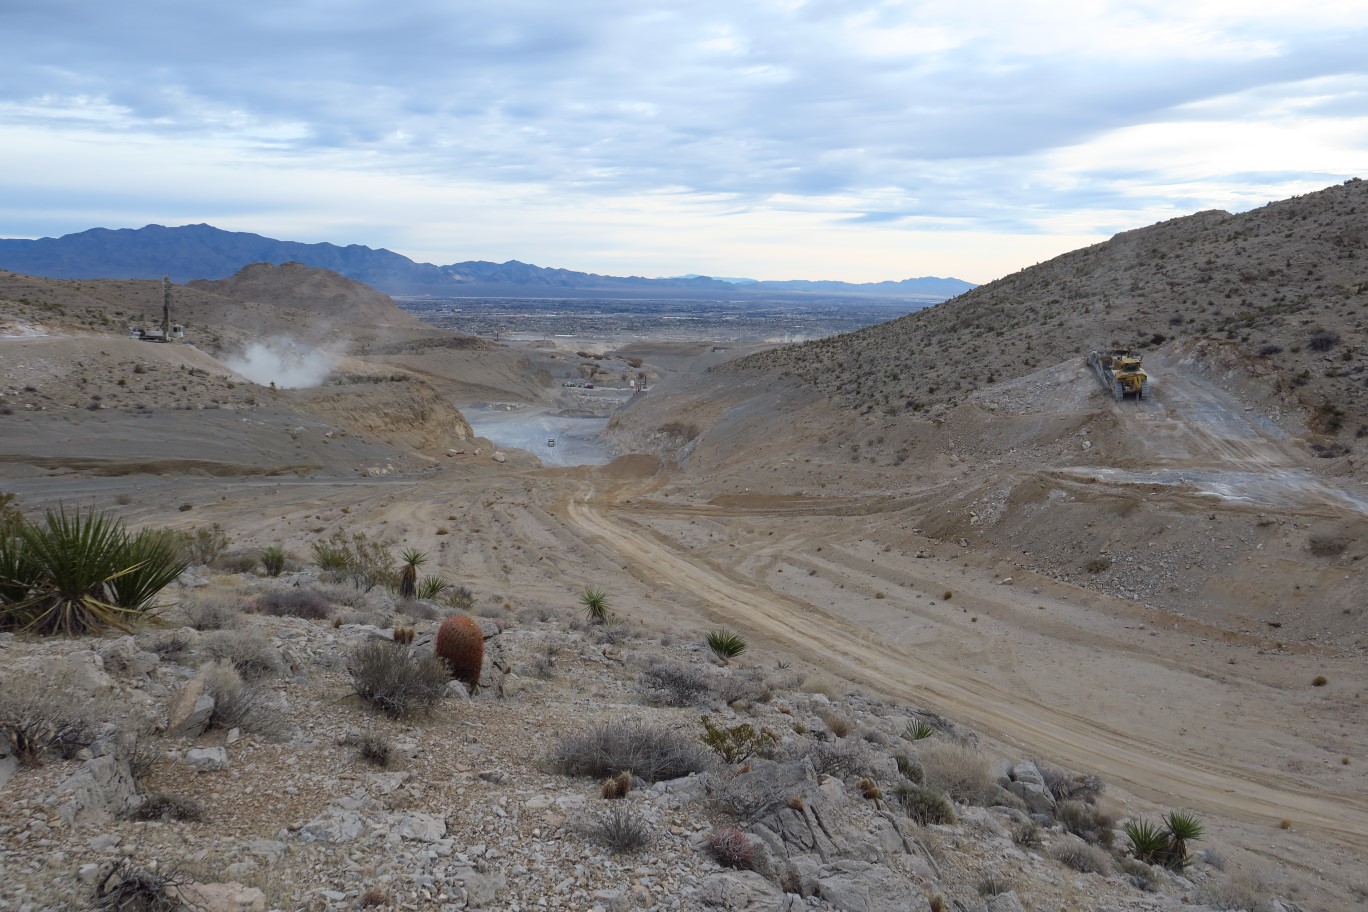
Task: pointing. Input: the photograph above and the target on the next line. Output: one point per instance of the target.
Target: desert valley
(991, 615)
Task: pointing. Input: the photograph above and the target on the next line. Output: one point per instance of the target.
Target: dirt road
(1152, 761)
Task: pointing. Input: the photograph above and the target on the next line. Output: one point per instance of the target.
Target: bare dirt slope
(1285, 285)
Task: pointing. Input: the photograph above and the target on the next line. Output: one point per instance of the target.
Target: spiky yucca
(595, 602)
(81, 572)
(408, 579)
(726, 645)
(460, 643)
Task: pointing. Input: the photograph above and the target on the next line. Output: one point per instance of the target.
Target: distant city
(522, 319)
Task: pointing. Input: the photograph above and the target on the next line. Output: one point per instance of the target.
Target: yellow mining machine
(1120, 373)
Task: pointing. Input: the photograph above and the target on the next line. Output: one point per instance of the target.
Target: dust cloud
(285, 362)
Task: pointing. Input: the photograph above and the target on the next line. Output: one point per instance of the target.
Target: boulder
(739, 890)
(222, 897)
(101, 789)
(207, 759)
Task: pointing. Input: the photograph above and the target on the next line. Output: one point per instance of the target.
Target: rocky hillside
(1286, 286)
(227, 761)
(261, 301)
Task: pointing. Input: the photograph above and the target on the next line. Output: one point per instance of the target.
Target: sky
(772, 139)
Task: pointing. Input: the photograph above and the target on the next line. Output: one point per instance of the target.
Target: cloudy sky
(811, 139)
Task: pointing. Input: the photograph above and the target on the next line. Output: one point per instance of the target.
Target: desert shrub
(725, 644)
(1098, 565)
(1327, 545)
(81, 572)
(1323, 340)
(396, 682)
(1086, 821)
(204, 545)
(654, 753)
(844, 758)
(621, 830)
(737, 743)
(372, 748)
(251, 656)
(731, 848)
(1026, 835)
(961, 771)
(126, 887)
(1086, 859)
(909, 768)
(1269, 348)
(367, 562)
(1239, 891)
(239, 704)
(421, 610)
(994, 885)
(1072, 787)
(294, 602)
(748, 685)
(238, 562)
(595, 603)
(676, 684)
(459, 598)
(167, 806)
(212, 612)
(273, 560)
(40, 716)
(836, 723)
(924, 804)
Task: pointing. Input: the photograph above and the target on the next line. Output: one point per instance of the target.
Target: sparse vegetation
(40, 716)
(294, 602)
(1084, 858)
(395, 682)
(676, 684)
(273, 560)
(654, 753)
(204, 545)
(622, 830)
(960, 770)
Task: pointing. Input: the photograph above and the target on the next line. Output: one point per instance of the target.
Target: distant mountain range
(205, 252)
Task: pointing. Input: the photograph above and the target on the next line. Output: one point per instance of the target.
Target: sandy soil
(892, 574)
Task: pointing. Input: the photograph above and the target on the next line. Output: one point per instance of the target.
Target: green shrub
(204, 546)
(923, 804)
(430, 588)
(273, 560)
(738, 743)
(725, 644)
(81, 572)
(595, 602)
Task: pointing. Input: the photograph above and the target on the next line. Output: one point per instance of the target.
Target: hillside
(205, 252)
(1283, 287)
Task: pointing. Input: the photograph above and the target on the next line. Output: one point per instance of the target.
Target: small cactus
(618, 786)
(460, 643)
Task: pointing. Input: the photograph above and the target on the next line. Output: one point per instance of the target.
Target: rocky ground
(267, 800)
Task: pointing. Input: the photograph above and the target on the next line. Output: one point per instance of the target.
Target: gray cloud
(746, 102)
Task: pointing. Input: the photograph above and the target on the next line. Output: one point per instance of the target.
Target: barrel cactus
(460, 643)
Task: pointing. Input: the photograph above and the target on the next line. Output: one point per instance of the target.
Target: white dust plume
(283, 361)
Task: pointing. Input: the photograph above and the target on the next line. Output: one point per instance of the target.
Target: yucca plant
(917, 730)
(431, 587)
(595, 602)
(1183, 828)
(725, 644)
(408, 579)
(81, 572)
(273, 560)
(155, 559)
(1149, 842)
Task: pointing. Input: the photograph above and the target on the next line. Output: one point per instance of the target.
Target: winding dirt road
(1163, 772)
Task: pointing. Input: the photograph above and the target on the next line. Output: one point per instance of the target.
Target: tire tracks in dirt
(1159, 772)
